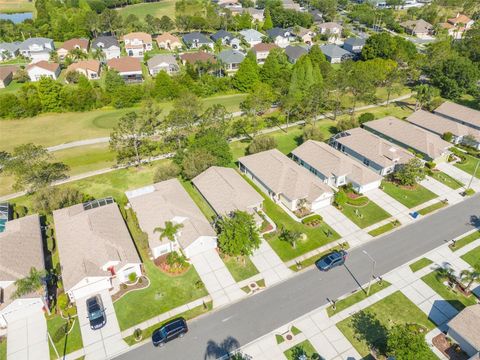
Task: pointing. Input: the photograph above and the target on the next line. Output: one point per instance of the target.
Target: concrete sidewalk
(443, 191)
(390, 205)
(460, 175)
(269, 264)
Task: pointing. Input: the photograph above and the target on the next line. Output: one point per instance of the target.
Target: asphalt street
(213, 335)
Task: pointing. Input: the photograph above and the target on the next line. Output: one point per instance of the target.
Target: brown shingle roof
(200, 56)
(45, 65)
(144, 37)
(264, 47)
(226, 191)
(74, 43)
(466, 325)
(410, 136)
(88, 239)
(5, 72)
(284, 176)
(460, 18)
(461, 113)
(329, 161)
(125, 64)
(92, 65)
(167, 37)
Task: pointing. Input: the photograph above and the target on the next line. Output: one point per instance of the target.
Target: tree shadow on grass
(217, 350)
(370, 330)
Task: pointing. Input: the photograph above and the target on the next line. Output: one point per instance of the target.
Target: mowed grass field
(156, 9)
(13, 6)
(55, 129)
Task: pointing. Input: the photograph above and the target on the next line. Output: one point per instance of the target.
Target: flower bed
(141, 283)
(162, 264)
(312, 221)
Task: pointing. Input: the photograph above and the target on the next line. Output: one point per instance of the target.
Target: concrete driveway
(217, 279)
(27, 336)
(105, 342)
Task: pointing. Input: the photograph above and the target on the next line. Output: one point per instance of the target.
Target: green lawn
(14, 6)
(408, 197)
(465, 240)
(457, 300)
(187, 315)
(199, 200)
(364, 216)
(373, 322)
(87, 158)
(431, 208)
(157, 9)
(11, 88)
(356, 297)
(241, 269)
(384, 228)
(447, 180)
(420, 264)
(468, 165)
(164, 293)
(63, 343)
(473, 257)
(3, 347)
(305, 347)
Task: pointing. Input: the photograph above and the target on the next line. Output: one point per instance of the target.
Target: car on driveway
(176, 328)
(335, 258)
(96, 312)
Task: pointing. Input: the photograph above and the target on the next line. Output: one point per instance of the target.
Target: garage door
(92, 288)
(201, 245)
(321, 204)
(21, 308)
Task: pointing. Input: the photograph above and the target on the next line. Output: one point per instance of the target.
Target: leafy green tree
(197, 161)
(238, 234)
(407, 344)
(328, 8)
(165, 171)
(29, 284)
(258, 101)
(386, 46)
(290, 236)
(166, 24)
(340, 198)
(49, 92)
(169, 231)
(365, 117)
(470, 276)
(213, 142)
(113, 81)
(410, 173)
(311, 132)
(276, 71)
(52, 198)
(305, 75)
(247, 75)
(165, 87)
(215, 117)
(267, 23)
(261, 143)
(184, 115)
(424, 95)
(130, 138)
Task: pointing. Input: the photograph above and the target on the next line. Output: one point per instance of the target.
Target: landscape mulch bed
(448, 349)
(161, 263)
(140, 284)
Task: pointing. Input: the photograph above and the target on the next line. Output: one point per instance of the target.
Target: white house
(43, 69)
(335, 168)
(108, 45)
(37, 49)
(95, 248)
(281, 37)
(137, 43)
(252, 37)
(163, 62)
(166, 201)
(285, 181)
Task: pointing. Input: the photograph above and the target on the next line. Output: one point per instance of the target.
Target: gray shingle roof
(41, 41)
(334, 51)
(354, 41)
(10, 47)
(231, 57)
(276, 31)
(252, 35)
(222, 34)
(160, 59)
(294, 52)
(107, 42)
(198, 37)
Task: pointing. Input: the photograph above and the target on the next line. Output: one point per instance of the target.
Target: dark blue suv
(171, 330)
(331, 260)
(96, 312)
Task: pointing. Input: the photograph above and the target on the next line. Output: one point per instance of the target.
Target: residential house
(440, 125)
(429, 145)
(376, 153)
(163, 62)
(256, 14)
(354, 45)
(37, 49)
(291, 5)
(330, 28)
(95, 248)
(9, 50)
(198, 57)
(6, 76)
(196, 40)
(166, 201)
(419, 28)
(281, 37)
(459, 113)
(458, 25)
(294, 52)
(235, 43)
(72, 44)
(88, 68)
(226, 191)
(335, 168)
(317, 17)
(137, 44)
(262, 50)
(230, 59)
(224, 36)
(305, 35)
(286, 182)
(463, 329)
(129, 68)
(21, 247)
(335, 54)
(43, 69)
(168, 41)
(108, 46)
(252, 37)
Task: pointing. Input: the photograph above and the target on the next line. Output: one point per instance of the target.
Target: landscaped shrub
(366, 117)
(261, 143)
(311, 132)
(19, 211)
(166, 171)
(358, 201)
(430, 165)
(448, 136)
(469, 192)
(132, 277)
(312, 219)
(340, 198)
(62, 301)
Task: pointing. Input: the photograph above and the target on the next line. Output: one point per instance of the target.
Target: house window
(366, 162)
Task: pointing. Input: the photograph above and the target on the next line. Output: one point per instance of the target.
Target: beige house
(409, 136)
(129, 68)
(137, 43)
(165, 201)
(419, 28)
(21, 248)
(163, 62)
(458, 25)
(459, 113)
(262, 50)
(72, 44)
(335, 168)
(463, 329)
(376, 153)
(330, 28)
(440, 125)
(285, 181)
(226, 191)
(168, 41)
(95, 248)
(89, 68)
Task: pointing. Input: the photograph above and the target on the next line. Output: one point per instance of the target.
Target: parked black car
(331, 260)
(169, 331)
(96, 312)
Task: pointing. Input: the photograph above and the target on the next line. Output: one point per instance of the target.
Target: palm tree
(169, 231)
(470, 276)
(445, 273)
(29, 284)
